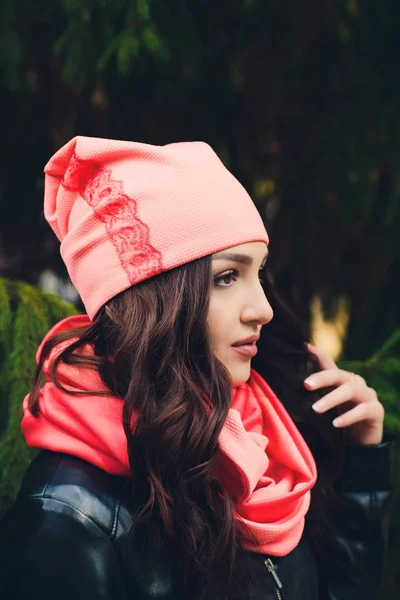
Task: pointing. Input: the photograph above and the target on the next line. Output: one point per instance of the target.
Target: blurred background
(300, 98)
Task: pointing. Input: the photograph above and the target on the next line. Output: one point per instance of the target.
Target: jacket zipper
(277, 582)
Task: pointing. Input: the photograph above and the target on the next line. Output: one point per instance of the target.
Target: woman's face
(238, 307)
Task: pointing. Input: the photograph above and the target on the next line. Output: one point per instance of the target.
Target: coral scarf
(263, 462)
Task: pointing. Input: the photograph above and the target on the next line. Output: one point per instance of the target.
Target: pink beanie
(126, 211)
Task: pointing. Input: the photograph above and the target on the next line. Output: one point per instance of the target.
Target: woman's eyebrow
(244, 259)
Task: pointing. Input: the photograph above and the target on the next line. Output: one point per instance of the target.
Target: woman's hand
(361, 412)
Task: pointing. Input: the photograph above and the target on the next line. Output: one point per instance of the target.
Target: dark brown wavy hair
(152, 349)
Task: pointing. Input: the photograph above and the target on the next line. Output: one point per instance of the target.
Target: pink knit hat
(125, 211)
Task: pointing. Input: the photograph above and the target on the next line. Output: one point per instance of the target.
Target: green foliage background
(300, 99)
(26, 315)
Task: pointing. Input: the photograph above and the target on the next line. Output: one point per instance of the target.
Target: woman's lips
(248, 350)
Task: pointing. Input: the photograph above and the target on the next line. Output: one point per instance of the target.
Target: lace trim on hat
(118, 211)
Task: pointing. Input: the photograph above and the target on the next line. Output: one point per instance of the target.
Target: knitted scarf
(263, 460)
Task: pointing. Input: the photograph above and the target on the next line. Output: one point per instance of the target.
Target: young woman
(185, 454)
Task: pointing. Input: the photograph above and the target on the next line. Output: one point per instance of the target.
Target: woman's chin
(240, 375)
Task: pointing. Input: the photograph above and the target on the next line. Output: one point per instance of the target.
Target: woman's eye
(226, 279)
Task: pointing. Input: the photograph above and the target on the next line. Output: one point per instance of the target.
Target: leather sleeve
(355, 570)
(51, 551)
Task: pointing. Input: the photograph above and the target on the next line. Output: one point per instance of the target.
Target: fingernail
(309, 382)
(336, 422)
(320, 405)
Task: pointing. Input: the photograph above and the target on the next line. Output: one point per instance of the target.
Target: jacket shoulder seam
(50, 479)
(37, 497)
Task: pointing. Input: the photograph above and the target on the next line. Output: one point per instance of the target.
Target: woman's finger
(333, 376)
(361, 412)
(324, 360)
(342, 394)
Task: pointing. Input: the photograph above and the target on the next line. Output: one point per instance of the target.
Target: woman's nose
(257, 308)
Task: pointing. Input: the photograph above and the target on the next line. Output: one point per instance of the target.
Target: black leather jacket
(64, 537)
